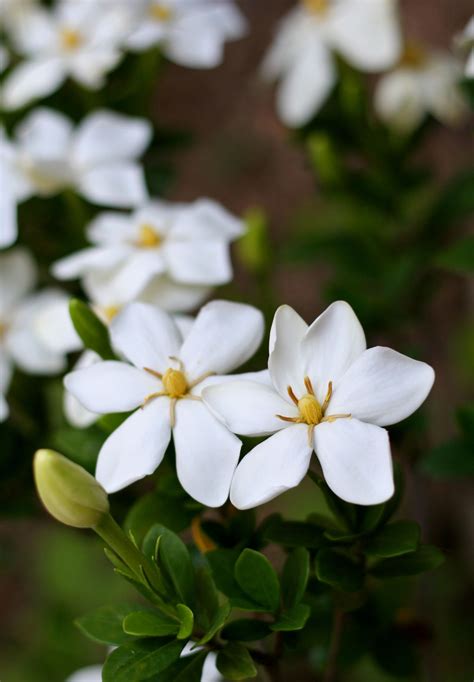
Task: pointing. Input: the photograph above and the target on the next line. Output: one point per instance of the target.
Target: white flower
(97, 160)
(164, 382)
(14, 12)
(26, 339)
(465, 44)
(330, 394)
(422, 83)
(168, 254)
(92, 673)
(189, 33)
(79, 40)
(365, 32)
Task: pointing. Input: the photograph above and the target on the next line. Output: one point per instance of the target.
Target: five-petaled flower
(163, 385)
(168, 254)
(302, 52)
(330, 394)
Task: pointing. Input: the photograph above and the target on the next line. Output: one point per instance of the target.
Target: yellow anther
(175, 383)
(110, 311)
(310, 409)
(413, 56)
(160, 12)
(148, 237)
(70, 39)
(316, 6)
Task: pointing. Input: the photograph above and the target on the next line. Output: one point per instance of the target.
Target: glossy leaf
(339, 570)
(394, 539)
(149, 624)
(141, 660)
(426, 558)
(258, 579)
(295, 576)
(235, 663)
(104, 625)
(92, 331)
(292, 619)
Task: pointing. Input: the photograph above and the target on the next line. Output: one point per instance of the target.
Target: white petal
(89, 68)
(8, 201)
(31, 80)
(330, 346)
(54, 326)
(86, 260)
(110, 227)
(105, 136)
(111, 386)
(399, 101)
(206, 219)
(92, 673)
(224, 335)
(45, 135)
(382, 387)
(136, 448)
(17, 277)
(355, 459)
(75, 413)
(206, 453)
(272, 467)
(249, 408)
(306, 84)
(285, 361)
(198, 262)
(146, 336)
(4, 409)
(444, 97)
(174, 296)
(350, 24)
(120, 184)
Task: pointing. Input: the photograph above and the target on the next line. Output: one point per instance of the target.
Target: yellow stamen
(148, 237)
(201, 540)
(70, 39)
(316, 6)
(175, 383)
(311, 411)
(110, 311)
(413, 56)
(160, 12)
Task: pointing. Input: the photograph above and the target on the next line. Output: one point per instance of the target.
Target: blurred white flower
(97, 159)
(465, 44)
(26, 339)
(331, 395)
(4, 58)
(80, 40)
(189, 33)
(164, 381)
(14, 12)
(92, 673)
(424, 82)
(168, 254)
(364, 32)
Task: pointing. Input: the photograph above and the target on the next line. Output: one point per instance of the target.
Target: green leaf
(339, 570)
(186, 617)
(157, 507)
(399, 537)
(176, 563)
(294, 577)
(258, 579)
(235, 663)
(459, 257)
(92, 331)
(451, 460)
(292, 619)
(104, 625)
(186, 669)
(149, 624)
(426, 558)
(246, 630)
(140, 660)
(206, 595)
(222, 562)
(293, 533)
(220, 618)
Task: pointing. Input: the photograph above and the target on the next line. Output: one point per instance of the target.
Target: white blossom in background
(15, 12)
(26, 340)
(168, 254)
(78, 40)
(331, 395)
(424, 82)
(97, 159)
(163, 386)
(92, 673)
(190, 33)
(365, 33)
(464, 42)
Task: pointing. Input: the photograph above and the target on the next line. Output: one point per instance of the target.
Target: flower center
(413, 56)
(318, 7)
(310, 409)
(70, 39)
(174, 382)
(148, 237)
(160, 12)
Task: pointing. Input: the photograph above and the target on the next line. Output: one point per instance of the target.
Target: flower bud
(68, 491)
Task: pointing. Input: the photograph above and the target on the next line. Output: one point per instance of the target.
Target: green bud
(68, 491)
(324, 159)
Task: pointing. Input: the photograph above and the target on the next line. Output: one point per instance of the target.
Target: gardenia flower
(330, 394)
(163, 385)
(364, 32)
(73, 39)
(97, 160)
(188, 33)
(23, 341)
(465, 43)
(168, 254)
(424, 82)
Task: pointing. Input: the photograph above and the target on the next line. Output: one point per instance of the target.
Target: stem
(331, 666)
(114, 536)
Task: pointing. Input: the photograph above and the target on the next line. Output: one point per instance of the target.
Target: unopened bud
(68, 491)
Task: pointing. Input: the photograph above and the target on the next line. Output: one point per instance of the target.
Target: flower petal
(110, 227)
(285, 362)
(8, 202)
(272, 467)
(206, 219)
(174, 296)
(45, 135)
(223, 336)
(398, 100)
(136, 448)
(355, 459)
(248, 408)
(54, 326)
(206, 453)
(382, 387)
(75, 413)
(146, 336)
(120, 184)
(330, 346)
(91, 673)
(30, 80)
(111, 386)
(17, 277)
(86, 260)
(199, 262)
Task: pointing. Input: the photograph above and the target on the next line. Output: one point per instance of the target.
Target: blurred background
(222, 139)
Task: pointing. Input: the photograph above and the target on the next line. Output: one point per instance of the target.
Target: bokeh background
(234, 149)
